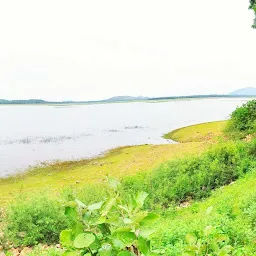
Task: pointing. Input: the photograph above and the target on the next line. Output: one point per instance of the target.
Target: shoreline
(117, 163)
(171, 136)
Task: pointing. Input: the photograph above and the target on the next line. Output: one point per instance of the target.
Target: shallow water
(32, 134)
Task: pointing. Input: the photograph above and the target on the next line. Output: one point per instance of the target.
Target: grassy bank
(222, 211)
(117, 163)
(198, 133)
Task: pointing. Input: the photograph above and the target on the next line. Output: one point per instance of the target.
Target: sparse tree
(253, 7)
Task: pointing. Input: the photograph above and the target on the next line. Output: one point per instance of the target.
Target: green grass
(229, 206)
(119, 162)
(198, 133)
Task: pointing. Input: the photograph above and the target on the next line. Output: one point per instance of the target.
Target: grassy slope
(229, 200)
(197, 133)
(117, 163)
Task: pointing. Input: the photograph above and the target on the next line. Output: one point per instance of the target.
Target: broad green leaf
(70, 253)
(100, 220)
(149, 220)
(113, 220)
(87, 216)
(191, 239)
(96, 206)
(140, 216)
(140, 199)
(146, 232)
(122, 229)
(71, 212)
(144, 245)
(77, 229)
(107, 206)
(84, 240)
(66, 238)
(127, 238)
(118, 243)
(80, 204)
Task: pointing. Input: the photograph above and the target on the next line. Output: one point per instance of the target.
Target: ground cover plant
(194, 178)
(206, 204)
(34, 220)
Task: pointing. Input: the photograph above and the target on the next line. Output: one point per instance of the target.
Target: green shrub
(110, 227)
(195, 177)
(34, 220)
(243, 120)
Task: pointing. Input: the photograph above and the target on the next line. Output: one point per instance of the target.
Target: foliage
(253, 7)
(233, 216)
(35, 220)
(110, 227)
(208, 242)
(243, 120)
(195, 177)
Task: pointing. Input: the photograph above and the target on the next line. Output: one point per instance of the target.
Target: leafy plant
(110, 227)
(34, 220)
(209, 242)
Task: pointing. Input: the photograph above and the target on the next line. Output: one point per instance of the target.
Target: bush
(35, 220)
(194, 177)
(243, 120)
(110, 227)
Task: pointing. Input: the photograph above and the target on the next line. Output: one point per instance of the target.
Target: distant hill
(31, 101)
(126, 98)
(248, 91)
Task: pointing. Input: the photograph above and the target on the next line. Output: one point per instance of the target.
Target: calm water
(30, 135)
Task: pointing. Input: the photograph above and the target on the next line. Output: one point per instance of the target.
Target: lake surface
(32, 134)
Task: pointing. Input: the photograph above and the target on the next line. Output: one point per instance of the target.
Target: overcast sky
(87, 50)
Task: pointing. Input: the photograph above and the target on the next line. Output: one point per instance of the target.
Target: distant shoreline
(42, 102)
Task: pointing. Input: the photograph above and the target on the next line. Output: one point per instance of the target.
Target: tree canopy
(253, 7)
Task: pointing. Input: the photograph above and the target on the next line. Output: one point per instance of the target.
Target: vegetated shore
(119, 162)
